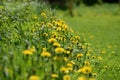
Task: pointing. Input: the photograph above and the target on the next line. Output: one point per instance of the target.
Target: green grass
(100, 25)
(26, 48)
(36, 44)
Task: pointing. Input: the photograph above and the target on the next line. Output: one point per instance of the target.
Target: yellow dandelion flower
(27, 52)
(71, 39)
(32, 49)
(71, 30)
(35, 17)
(52, 40)
(57, 58)
(63, 39)
(99, 58)
(72, 62)
(76, 41)
(87, 63)
(54, 75)
(82, 78)
(60, 38)
(56, 44)
(79, 55)
(37, 24)
(59, 50)
(44, 49)
(46, 54)
(88, 54)
(64, 69)
(65, 27)
(62, 22)
(90, 50)
(54, 32)
(59, 29)
(103, 51)
(105, 67)
(33, 30)
(79, 44)
(69, 65)
(79, 70)
(59, 24)
(54, 35)
(73, 42)
(70, 68)
(43, 14)
(94, 74)
(34, 77)
(42, 23)
(69, 48)
(83, 46)
(45, 34)
(66, 77)
(113, 52)
(93, 57)
(49, 25)
(86, 70)
(77, 37)
(55, 22)
(66, 51)
(65, 59)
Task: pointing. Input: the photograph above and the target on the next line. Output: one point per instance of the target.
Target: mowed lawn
(100, 26)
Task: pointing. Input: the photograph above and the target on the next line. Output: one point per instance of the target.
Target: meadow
(99, 25)
(37, 43)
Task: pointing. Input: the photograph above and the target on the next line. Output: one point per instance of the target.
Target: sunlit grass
(37, 45)
(100, 26)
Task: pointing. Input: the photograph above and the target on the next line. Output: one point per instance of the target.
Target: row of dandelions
(59, 54)
(46, 49)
